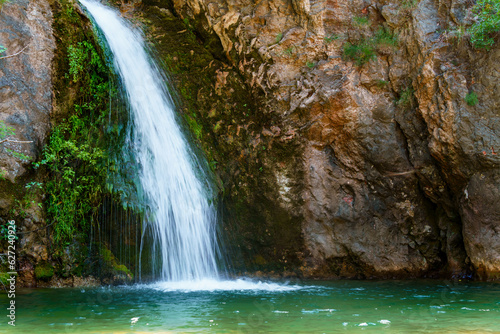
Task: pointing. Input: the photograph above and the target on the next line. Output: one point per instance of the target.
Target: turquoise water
(306, 307)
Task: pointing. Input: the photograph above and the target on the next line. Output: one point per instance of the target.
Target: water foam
(213, 285)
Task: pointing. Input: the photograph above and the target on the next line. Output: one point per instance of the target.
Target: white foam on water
(212, 285)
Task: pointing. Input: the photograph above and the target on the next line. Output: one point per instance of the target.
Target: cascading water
(181, 220)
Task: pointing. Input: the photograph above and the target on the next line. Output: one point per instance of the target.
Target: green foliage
(408, 4)
(74, 155)
(382, 83)
(79, 55)
(365, 50)
(361, 21)
(195, 127)
(406, 99)
(360, 53)
(385, 37)
(4, 232)
(21, 207)
(2, 48)
(331, 38)
(279, 37)
(310, 64)
(4, 277)
(487, 23)
(471, 99)
(3, 2)
(5, 131)
(289, 51)
(44, 271)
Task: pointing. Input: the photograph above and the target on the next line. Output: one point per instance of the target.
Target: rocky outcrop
(25, 105)
(25, 80)
(392, 173)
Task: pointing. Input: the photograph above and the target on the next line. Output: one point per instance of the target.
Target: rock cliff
(368, 143)
(352, 139)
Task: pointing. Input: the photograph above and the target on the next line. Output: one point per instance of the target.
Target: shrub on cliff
(487, 23)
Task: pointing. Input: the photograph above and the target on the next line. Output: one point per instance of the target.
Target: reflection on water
(244, 306)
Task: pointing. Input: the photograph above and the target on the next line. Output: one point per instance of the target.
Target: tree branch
(15, 54)
(15, 141)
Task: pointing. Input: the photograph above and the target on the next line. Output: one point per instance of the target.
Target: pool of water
(256, 307)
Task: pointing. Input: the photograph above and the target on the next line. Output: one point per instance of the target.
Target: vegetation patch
(44, 271)
(361, 21)
(471, 99)
(74, 155)
(487, 23)
(360, 53)
(406, 99)
(367, 48)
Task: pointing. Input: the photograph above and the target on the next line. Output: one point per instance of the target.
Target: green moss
(195, 127)
(4, 277)
(110, 264)
(44, 271)
(361, 21)
(124, 270)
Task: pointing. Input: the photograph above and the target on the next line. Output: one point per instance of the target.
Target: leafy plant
(487, 23)
(74, 156)
(2, 48)
(3, 2)
(279, 37)
(406, 99)
(360, 53)
(408, 4)
(382, 83)
(471, 99)
(331, 38)
(21, 206)
(385, 37)
(5, 133)
(310, 64)
(289, 51)
(361, 21)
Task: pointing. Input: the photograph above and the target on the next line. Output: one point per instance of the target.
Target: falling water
(181, 220)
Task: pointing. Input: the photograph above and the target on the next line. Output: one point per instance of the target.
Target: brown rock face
(25, 104)
(25, 79)
(397, 174)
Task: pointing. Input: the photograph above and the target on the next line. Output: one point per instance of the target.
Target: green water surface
(306, 307)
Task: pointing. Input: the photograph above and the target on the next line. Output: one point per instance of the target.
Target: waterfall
(181, 220)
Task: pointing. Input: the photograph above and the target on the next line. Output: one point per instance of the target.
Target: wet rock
(386, 149)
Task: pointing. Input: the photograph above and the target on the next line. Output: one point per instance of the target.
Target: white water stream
(182, 221)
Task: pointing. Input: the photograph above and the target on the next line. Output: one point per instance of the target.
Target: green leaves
(487, 23)
(5, 131)
(471, 99)
(360, 53)
(75, 155)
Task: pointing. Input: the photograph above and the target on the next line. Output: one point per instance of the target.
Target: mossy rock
(3, 278)
(122, 269)
(115, 269)
(44, 271)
